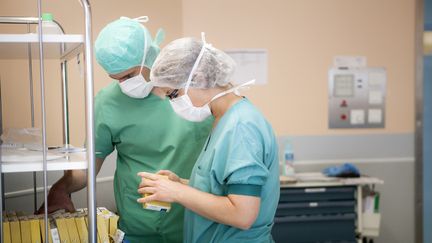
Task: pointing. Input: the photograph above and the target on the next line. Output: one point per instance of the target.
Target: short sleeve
(243, 152)
(103, 136)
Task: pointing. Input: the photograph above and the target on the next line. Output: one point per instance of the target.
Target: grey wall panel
(350, 146)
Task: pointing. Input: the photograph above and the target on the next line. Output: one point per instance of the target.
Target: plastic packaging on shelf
(18, 138)
(66, 148)
(25, 145)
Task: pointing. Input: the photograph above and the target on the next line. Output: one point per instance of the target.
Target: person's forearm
(217, 208)
(71, 181)
(75, 180)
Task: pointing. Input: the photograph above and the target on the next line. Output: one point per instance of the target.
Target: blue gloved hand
(345, 170)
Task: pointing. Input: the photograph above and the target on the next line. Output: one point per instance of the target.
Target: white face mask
(137, 87)
(184, 108)
(183, 105)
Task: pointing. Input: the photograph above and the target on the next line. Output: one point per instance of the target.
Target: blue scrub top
(240, 157)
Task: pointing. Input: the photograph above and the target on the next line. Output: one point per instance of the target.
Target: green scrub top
(148, 136)
(240, 157)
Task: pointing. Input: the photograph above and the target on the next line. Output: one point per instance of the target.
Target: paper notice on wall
(251, 64)
(349, 62)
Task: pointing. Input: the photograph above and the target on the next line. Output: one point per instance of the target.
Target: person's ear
(159, 92)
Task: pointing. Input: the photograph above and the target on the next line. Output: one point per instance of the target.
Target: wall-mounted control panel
(357, 97)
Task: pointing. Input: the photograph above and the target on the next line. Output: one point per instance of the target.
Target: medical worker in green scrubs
(143, 129)
(233, 191)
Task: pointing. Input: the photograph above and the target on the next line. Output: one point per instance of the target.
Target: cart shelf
(15, 46)
(28, 161)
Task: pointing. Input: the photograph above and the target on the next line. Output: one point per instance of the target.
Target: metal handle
(315, 190)
(335, 217)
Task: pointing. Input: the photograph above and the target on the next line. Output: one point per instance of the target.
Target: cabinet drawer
(314, 194)
(303, 229)
(317, 208)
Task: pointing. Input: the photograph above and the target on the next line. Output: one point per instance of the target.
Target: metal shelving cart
(61, 47)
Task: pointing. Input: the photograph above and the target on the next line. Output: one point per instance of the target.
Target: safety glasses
(173, 94)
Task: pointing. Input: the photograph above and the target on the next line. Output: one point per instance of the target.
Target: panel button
(344, 103)
(375, 116)
(357, 117)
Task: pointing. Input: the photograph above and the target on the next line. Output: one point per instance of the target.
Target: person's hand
(160, 189)
(171, 175)
(57, 199)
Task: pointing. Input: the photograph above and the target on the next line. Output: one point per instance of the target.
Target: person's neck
(222, 105)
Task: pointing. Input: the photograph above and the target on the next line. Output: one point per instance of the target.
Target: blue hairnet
(120, 46)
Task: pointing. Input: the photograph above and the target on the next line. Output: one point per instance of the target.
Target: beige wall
(302, 37)
(15, 88)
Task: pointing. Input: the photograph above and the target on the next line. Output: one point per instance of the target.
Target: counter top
(317, 179)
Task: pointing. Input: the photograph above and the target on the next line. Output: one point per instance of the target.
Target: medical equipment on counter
(347, 170)
(288, 168)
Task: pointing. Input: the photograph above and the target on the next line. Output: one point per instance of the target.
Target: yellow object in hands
(157, 205)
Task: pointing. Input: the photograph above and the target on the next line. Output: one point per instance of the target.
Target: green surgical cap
(120, 46)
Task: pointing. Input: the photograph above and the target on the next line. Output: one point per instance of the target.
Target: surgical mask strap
(145, 51)
(232, 90)
(142, 19)
(195, 66)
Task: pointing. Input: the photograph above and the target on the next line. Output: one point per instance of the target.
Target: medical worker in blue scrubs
(233, 191)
